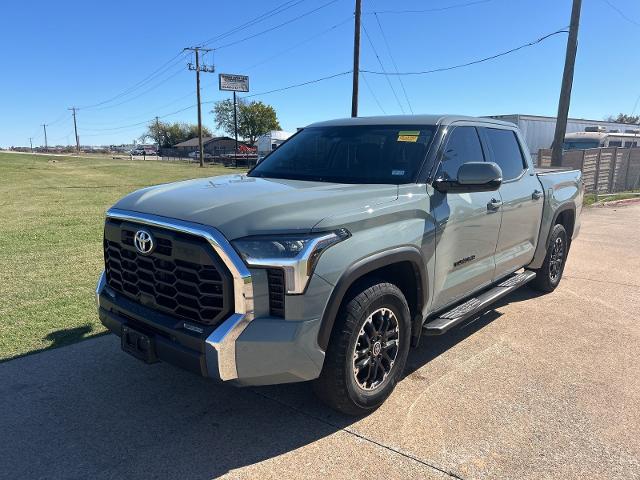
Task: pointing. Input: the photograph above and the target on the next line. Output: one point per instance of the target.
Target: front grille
(275, 277)
(183, 276)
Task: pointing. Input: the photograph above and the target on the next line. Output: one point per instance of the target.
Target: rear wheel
(367, 351)
(549, 274)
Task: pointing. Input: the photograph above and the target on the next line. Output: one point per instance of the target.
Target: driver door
(467, 224)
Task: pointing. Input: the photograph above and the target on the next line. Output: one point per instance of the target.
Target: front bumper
(242, 349)
(268, 350)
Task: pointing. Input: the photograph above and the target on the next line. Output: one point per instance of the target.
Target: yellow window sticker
(408, 135)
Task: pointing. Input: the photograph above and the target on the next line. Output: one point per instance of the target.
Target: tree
(624, 118)
(168, 134)
(254, 119)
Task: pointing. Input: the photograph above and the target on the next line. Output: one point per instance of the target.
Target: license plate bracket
(138, 344)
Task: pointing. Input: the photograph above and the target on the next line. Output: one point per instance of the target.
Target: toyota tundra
(335, 254)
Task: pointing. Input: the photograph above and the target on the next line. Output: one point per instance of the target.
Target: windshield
(350, 154)
(580, 144)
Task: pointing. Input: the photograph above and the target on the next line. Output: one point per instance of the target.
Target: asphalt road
(540, 387)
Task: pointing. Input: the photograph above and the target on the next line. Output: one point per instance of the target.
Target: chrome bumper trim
(221, 344)
(102, 281)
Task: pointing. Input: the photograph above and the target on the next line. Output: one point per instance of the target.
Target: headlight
(297, 255)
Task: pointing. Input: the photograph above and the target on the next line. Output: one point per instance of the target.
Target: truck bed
(547, 170)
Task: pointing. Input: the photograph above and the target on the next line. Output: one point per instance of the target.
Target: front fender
(362, 267)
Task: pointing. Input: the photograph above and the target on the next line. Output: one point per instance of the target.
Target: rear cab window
(504, 149)
(462, 146)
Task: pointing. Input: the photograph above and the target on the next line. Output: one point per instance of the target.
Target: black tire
(548, 276)
(366, 320)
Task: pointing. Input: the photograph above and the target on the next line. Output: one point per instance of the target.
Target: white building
(538, 131)
(272, 140)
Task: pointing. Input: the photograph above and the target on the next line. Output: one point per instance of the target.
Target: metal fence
(604, 170)
(225, 157)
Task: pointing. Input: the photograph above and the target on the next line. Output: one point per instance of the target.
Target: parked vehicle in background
(196, 154)
(143, 151)
(336, 253)
(595, 137)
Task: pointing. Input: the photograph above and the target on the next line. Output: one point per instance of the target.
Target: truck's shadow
(89, 410)
(433, 346)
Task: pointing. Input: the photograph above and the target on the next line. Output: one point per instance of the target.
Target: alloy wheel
(376, 349)
(556, 260)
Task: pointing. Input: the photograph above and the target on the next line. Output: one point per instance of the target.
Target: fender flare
(366, 265)
(544, 236)
(563, 208)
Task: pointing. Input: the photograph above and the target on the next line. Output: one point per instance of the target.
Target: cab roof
(409, 120)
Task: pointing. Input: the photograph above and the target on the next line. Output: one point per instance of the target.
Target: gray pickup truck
(336, 253)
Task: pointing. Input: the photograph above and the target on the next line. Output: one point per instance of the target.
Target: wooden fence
(604, 170)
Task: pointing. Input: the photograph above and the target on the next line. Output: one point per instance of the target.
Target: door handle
(494, 205)
(536, 195)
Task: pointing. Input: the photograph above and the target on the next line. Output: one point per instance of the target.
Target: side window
(506, 152)
(463, 146)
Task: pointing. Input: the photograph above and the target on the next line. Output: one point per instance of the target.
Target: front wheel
(549, 274)
(367, 351)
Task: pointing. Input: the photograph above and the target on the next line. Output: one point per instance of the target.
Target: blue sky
(59, 54)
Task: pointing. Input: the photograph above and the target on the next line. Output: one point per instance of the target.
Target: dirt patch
(617, 203)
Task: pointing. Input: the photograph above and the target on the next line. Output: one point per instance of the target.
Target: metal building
(271, 140)
(538, 130)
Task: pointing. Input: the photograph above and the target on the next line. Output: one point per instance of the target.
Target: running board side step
(448, 319)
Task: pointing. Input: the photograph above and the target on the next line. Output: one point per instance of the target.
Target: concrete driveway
(540, 387)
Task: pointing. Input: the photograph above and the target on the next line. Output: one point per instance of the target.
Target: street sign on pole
(233, 83)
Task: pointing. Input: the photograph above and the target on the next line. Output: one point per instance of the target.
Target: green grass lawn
(51, 217)
(590, 198)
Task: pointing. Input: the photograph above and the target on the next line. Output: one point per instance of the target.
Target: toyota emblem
(143, 242)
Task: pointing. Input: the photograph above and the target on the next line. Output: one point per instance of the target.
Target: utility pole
(31, 144)
(356, 59)
(199, 68)
(158, 137)
(75, 128)
(46, 147)
(235, 126)
(567, 83)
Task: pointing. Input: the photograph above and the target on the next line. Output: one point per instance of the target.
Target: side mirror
(472, 177)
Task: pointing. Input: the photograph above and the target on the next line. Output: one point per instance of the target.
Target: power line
(254, 21)
(474, 62)
(275, 27)
(62, 117)
(366, 82)
(437, 9)
(383, 69)
(157, 72)
(145, 122)
(63, 136)
(622, 14)
(141, 94)
(288, 87)
(208, 102)
(297, 45)
(148, 113)
(395, 66)
(114, 128)
(297, 85)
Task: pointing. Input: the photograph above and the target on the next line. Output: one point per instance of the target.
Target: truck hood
(239, 206)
